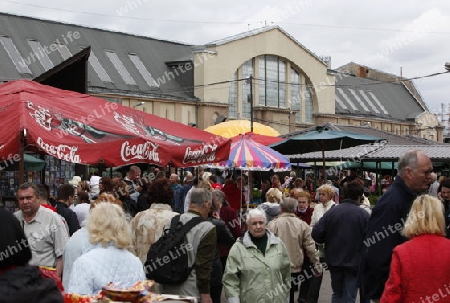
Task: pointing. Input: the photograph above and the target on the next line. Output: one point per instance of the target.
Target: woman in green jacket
(258, 268)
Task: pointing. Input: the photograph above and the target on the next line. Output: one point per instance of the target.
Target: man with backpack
(195, 247)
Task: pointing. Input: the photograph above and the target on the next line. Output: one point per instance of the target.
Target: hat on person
(75, 181)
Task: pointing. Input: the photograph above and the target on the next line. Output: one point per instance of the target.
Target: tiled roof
(374, 99)
(119, 62)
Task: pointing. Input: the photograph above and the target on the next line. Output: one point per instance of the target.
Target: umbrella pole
(23, 135)
(323, 164)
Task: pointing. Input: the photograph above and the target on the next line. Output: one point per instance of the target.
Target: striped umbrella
(247, 154)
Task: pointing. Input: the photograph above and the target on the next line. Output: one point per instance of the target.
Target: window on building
(123, 72)
(296, 98)
(40, 54)
(20, 64)
(309, 106)
(232, 97)
(247, 71)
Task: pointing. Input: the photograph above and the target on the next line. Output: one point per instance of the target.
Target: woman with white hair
(109, 260)
(258, 267)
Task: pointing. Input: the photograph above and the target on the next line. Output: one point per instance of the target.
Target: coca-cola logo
(203, 154)
(143, 151)
(61, 151)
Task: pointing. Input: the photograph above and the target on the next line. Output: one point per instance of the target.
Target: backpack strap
(185, 228)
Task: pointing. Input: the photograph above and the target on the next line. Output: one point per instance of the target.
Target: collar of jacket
(271, 239)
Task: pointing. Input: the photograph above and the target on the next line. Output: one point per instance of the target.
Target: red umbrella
(84, 129)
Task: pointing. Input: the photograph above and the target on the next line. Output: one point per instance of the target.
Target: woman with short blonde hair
(423, 258)
(425, 217)
(109, 260)
(108, 224)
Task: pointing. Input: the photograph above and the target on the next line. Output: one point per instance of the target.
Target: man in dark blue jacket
(342, 229)
(388, 218)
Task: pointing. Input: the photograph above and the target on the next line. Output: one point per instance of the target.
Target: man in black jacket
(388, 218)
(66, 194)
(342, 230)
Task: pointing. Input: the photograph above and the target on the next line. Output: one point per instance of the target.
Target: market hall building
(199, 85)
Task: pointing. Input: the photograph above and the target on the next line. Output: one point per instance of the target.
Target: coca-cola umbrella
(84, 129)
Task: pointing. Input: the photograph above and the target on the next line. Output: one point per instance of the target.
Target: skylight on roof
(64, 51)
(341, 104)
(378, 103)
(98, 68)
(143, 70)
(40, 54)
(346, 98)
(363, 105)
(120, 67)
(20, 64)
(363, 93)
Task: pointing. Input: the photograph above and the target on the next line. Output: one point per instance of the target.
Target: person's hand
(318, 269)
(205, 298)
(215, 215)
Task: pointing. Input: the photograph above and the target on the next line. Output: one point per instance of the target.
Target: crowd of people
(101, 231)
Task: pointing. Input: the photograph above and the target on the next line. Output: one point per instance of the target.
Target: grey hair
(27, 185)
(409, 159)
(219, 195)
(200, 196)
(289, 205)
(255, 212)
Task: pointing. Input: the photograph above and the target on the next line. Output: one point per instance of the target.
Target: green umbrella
(322, 139)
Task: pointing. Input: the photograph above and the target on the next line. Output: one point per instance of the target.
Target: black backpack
(167, 258)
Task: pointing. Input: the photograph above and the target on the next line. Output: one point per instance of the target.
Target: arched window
(272, 79)
(247, 71)
(309, 106)
(295, 103)
(232, 97)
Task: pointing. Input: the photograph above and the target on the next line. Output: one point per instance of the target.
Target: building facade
(264, 72)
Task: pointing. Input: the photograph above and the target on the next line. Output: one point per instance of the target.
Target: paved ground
(325, 290)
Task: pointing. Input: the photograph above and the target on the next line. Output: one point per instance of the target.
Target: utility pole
(250, 99)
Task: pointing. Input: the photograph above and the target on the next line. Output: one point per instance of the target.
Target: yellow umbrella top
(233, 128)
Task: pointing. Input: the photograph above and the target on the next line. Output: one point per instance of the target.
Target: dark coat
(25, 284)
(342, 229)
(69, 215)
(383, 235)
(231, 219)
(224, 237)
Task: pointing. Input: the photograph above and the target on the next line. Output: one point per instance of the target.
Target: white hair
(256, 212)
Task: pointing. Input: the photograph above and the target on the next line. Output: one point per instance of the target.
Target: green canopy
(31, 164)
(369, 165)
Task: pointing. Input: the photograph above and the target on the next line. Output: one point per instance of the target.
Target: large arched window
(273, 82)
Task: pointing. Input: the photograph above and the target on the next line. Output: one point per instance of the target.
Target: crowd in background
(100, 230)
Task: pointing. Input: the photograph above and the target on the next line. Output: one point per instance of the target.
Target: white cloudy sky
(389, 35)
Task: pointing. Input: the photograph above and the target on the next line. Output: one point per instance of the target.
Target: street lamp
(138, 104)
